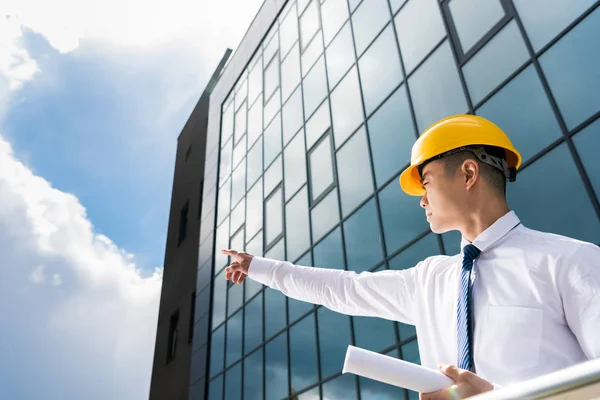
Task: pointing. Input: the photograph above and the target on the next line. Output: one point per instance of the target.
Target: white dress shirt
(535, 300)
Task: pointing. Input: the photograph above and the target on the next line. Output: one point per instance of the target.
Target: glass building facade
(309, 128)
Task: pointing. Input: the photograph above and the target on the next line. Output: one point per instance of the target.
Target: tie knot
(471, 252)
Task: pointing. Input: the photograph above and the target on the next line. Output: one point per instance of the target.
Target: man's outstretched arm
(385, 294)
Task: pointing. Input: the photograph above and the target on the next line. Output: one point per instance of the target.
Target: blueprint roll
(393, 371)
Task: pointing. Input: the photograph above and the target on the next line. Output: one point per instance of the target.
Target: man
(515, 304)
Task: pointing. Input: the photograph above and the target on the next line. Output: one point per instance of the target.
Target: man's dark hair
(493, 176)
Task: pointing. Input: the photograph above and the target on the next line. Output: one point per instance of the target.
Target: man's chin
(435, 228)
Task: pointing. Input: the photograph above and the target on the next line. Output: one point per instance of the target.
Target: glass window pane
(325, 215)
(303, 353)
(272, 141)
(271, 78)
(340, 55)
(240, 122)
(222, 242)
(363, 238)
(315, 87)
(239, 151)
(434, 99)
(328, 253)
(367, 21)
(302, 5)
(219, 299)
(410, 352)
(425, 247)
(215, 389)
(396, 4)
(292, 116)
(274, 312)
(288, 31)
(312, 394)
(317, 124)
(254, 213)
(276, 377)
(333, 15)
(255, 163)
(277, 251)
(272, 47)
(272, 108)
(297, 229)
(419, 27)
(235, 293)
(321, 168)
(290, 73)
(234, 337)
(523, 111)
(295, 166)
(346, 107)
(342, 387)
(253, 324)
(334, 338)
(544, 19)
(217, 351)
(380, 70)
(255, 121)
(587, 143)
(273, 176)
(255, 247)
(473, 19)
(401, 216)
(226, 161)
(238, 183)
(253, 376)
(495, 62)
(255, 82)
(571, 67)
(224, 201)
(297, 308)
(354, 172)
(273, 217)
(452, 242)
(311, 55)
(227, 124)
(552, 183)
(374, 334)
(374, 390)
(391, 134)
(309, 24)
(237, 219)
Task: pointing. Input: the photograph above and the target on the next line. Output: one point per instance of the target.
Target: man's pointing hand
(237, 271)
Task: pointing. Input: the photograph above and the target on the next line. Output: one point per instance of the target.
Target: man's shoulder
(550, 244)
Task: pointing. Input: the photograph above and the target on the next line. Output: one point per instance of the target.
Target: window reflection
(321, 168)
(354, 171)
(255, 81)
(255, 163)
(273, 217)
(238, 183)
(253, 376)
(303, 353)
(217, 351)
(391, 135)
(342, 387)
(254, 216)
(292, 116)
(587, 143)
(234, 337)
(328, 253)
(255, 121)
(219, 299)
(288, 31)
(325, 215)
(222, 242)
(272, 141)
(227, 124)
(400, 215)
(363, 239)
(553, 183)
(334, 338)
(271, 78)
(253, 324)
(523, 111)
(294, 157)
(240, 123)
(276, 377)
(290, 73)
(215, 389)
(380, 69)
(315, 87)
(368, 20)
(346, 107)
(311, 54)
(309, 24)
(340, 55)
(420, 28)
(297, 228)
(473, 19)
(333, 15)
(274, 312)
(237, 217)
(317, 124)
(273, 176)
(235, 294)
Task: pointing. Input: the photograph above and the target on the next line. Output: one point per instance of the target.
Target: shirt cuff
(496, 386)
(262, 270)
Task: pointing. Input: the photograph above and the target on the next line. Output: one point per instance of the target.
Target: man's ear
(470, 171)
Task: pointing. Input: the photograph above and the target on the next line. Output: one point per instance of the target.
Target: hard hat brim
(410, 181)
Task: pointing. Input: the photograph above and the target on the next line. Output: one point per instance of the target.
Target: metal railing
(580, 381)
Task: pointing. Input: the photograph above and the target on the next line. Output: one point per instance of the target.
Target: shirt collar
(493, 233)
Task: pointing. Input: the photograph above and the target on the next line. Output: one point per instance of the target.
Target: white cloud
(78, 318)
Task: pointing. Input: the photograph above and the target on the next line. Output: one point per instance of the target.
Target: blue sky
(92, 99)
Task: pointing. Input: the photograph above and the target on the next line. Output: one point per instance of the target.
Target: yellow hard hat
(453, 133)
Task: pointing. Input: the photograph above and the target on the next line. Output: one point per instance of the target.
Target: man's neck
(482, 218)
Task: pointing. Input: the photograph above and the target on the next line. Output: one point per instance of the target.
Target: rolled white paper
(393, 371)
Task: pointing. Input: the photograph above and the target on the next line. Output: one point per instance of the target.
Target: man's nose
(424, 201)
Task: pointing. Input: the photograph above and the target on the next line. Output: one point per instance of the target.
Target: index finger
(232, 253)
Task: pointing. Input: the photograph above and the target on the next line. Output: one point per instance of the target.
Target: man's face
(444, 198)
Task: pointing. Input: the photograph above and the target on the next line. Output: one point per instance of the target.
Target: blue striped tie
(465, 358)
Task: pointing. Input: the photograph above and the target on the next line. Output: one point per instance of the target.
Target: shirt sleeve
(385, 294)
(580, 292)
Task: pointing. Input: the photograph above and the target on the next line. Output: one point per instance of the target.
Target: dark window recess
(172, 344)
(188, 152)
(183, 223)
(192, 317)
(200, 201)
